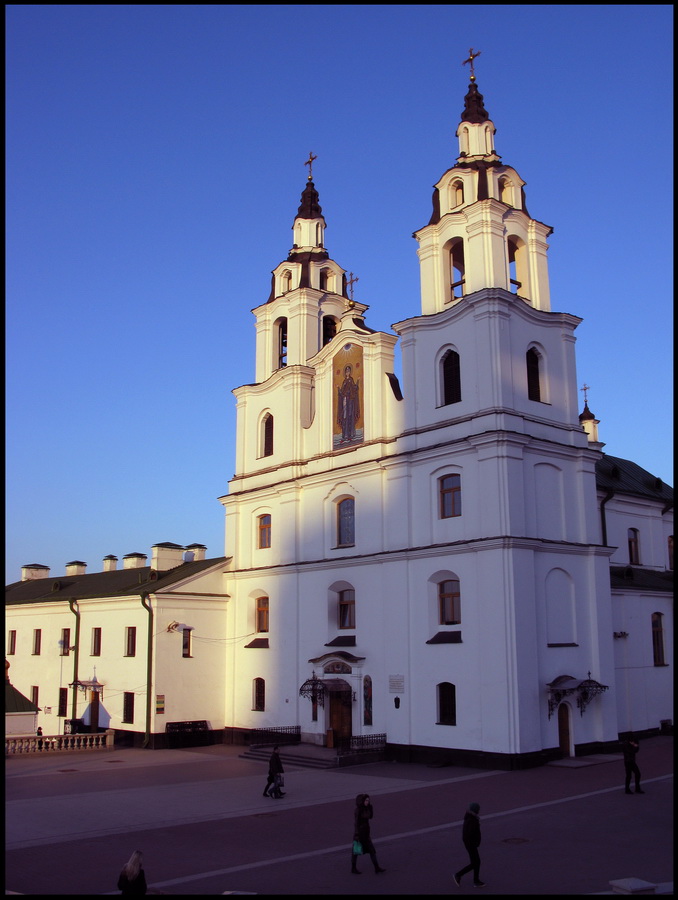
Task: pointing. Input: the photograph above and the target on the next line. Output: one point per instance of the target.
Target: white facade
(526, 551)
(452, 562)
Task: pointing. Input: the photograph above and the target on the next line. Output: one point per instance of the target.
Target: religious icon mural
(347, 386)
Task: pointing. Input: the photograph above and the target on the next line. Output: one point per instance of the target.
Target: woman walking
(132, 879)
(361, 834)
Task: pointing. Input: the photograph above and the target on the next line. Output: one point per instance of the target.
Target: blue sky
(154, 167)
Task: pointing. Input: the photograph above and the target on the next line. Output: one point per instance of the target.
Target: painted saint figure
(348, 406)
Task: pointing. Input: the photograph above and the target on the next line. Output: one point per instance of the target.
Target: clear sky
(155, 160)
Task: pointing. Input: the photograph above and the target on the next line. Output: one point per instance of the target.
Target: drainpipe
(76, 612)
(603, 521)
(149, 671)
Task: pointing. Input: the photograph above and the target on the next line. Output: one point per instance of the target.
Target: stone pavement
(204, 827)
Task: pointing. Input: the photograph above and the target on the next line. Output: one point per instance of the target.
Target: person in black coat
(132, 880)
(275, 768)
(630, 748)
(361, 832)
(470, 835)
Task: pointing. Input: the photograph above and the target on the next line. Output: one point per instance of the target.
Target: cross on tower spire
(585, 388)
(350, 281)
(309, 163)
(471, 57)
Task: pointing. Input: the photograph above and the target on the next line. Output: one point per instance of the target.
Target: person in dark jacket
(629, 749)
(470, 835)
(132, 880)
(361, 832)
(275, 768)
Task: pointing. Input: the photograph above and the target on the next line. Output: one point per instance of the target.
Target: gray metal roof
(122, 582)
(625, 477)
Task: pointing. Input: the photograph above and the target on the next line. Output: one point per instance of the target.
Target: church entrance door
(341, 710)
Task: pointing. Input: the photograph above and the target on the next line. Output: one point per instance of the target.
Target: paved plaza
(204, 827)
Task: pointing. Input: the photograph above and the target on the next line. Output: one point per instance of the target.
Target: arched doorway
(339, 709)
(564, 737)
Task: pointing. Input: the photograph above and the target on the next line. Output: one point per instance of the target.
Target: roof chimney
(77, 567)
(198, 551)
(166, 556)
(134, 561)
(34, 570)
(110, 563)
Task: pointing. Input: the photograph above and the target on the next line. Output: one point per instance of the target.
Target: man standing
(630, 748)
(470, 835)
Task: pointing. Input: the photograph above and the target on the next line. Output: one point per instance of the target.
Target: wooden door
(341, 714)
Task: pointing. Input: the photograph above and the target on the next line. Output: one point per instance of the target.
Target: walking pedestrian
(132, 881)
(630, 749)
(275, 776)
(470, 835)
(361, 834)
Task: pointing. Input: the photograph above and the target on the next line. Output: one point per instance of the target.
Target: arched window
(346, 522)
(447, 703)
(282, 343)
(264, 528)
(261, 623)
(259, 695)
(532, 360)
(451, 378)
(329, 329)
(449, 491)
(449, 602)
(267, 435)
(286, 281)
(457, 269)
(463, 141)
(318, 235)
(346, 609)
(456, 193)
(517, 263)
(634, 546)
(658, 639)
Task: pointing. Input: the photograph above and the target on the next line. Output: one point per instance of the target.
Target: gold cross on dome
(350, 282)
(585, 388)
(309, 163)
(471, 57)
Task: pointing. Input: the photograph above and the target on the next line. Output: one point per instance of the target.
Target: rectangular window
(65, 642)
(128, 708)
(130, 641)
(450, 603)
(264, 532)
(11, 643)
(262, 614)
(447, 704)
(347, 609)
(634, 546)
(186, 643)
(34, 694)
(37, 641)
(450, 496)
(63, 702)
(96, 642)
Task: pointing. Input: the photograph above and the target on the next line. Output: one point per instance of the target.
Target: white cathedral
(450, 565)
